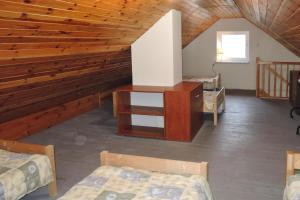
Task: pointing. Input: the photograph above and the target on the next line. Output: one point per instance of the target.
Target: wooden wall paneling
(27, 125)
(43, 77)
(59, 60)
(31, 53)
(97, 76)
(42, 84)
(66, 87)
(58, 65)
(31, 71)
(42, 105)
(43, 93)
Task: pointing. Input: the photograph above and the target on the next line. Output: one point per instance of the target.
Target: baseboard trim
(241, 92)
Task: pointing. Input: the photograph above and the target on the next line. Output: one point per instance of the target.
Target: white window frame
(220, 58)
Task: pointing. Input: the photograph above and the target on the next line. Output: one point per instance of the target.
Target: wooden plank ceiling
(57, 51)
(27, 26)
(279, 18)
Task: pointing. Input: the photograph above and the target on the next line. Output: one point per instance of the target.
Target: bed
(292, 189)
(209, 83)
(127, 177)
(214, 101)
(25, 168)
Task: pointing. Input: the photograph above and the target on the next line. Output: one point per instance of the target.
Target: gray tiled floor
(246, 151)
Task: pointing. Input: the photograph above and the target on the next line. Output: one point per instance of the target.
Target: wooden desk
(182, 111)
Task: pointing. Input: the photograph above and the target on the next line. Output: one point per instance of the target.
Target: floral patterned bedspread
(208, 83)
(21, 174)
(292, 189)
(208, 99)
(124, 183)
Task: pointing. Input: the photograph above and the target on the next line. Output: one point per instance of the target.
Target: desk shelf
(144, 131)
(142, 110)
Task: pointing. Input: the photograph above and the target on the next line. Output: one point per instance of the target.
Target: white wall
(200, 54)
(157, 54)
(177, 47)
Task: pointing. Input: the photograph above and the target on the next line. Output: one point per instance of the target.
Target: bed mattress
(292, 189)
(208, 83)
(21, 174)
(124, 183)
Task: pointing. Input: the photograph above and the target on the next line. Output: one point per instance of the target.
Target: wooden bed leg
(103, 158)
(224, 101)
(52, 187)
(215, 110)
(204, 170)
(215, 117)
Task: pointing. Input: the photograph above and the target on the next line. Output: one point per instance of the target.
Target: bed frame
(217, 102)
(48, 150)
(292, 163)
(216, 80)
(154, 164)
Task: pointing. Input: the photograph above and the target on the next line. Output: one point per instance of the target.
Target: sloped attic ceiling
(101, 25)
(95, 25)
(279, 18)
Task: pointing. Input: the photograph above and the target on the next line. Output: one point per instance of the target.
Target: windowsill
(232, 62)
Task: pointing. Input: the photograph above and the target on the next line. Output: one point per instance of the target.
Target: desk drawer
(197, 93)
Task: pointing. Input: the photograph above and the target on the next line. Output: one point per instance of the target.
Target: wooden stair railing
(272, 78)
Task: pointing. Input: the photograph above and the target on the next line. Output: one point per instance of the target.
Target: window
(233, 46)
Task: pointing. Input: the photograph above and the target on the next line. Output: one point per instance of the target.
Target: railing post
(257, 77)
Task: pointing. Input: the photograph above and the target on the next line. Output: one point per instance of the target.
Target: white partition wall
(157, 54)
